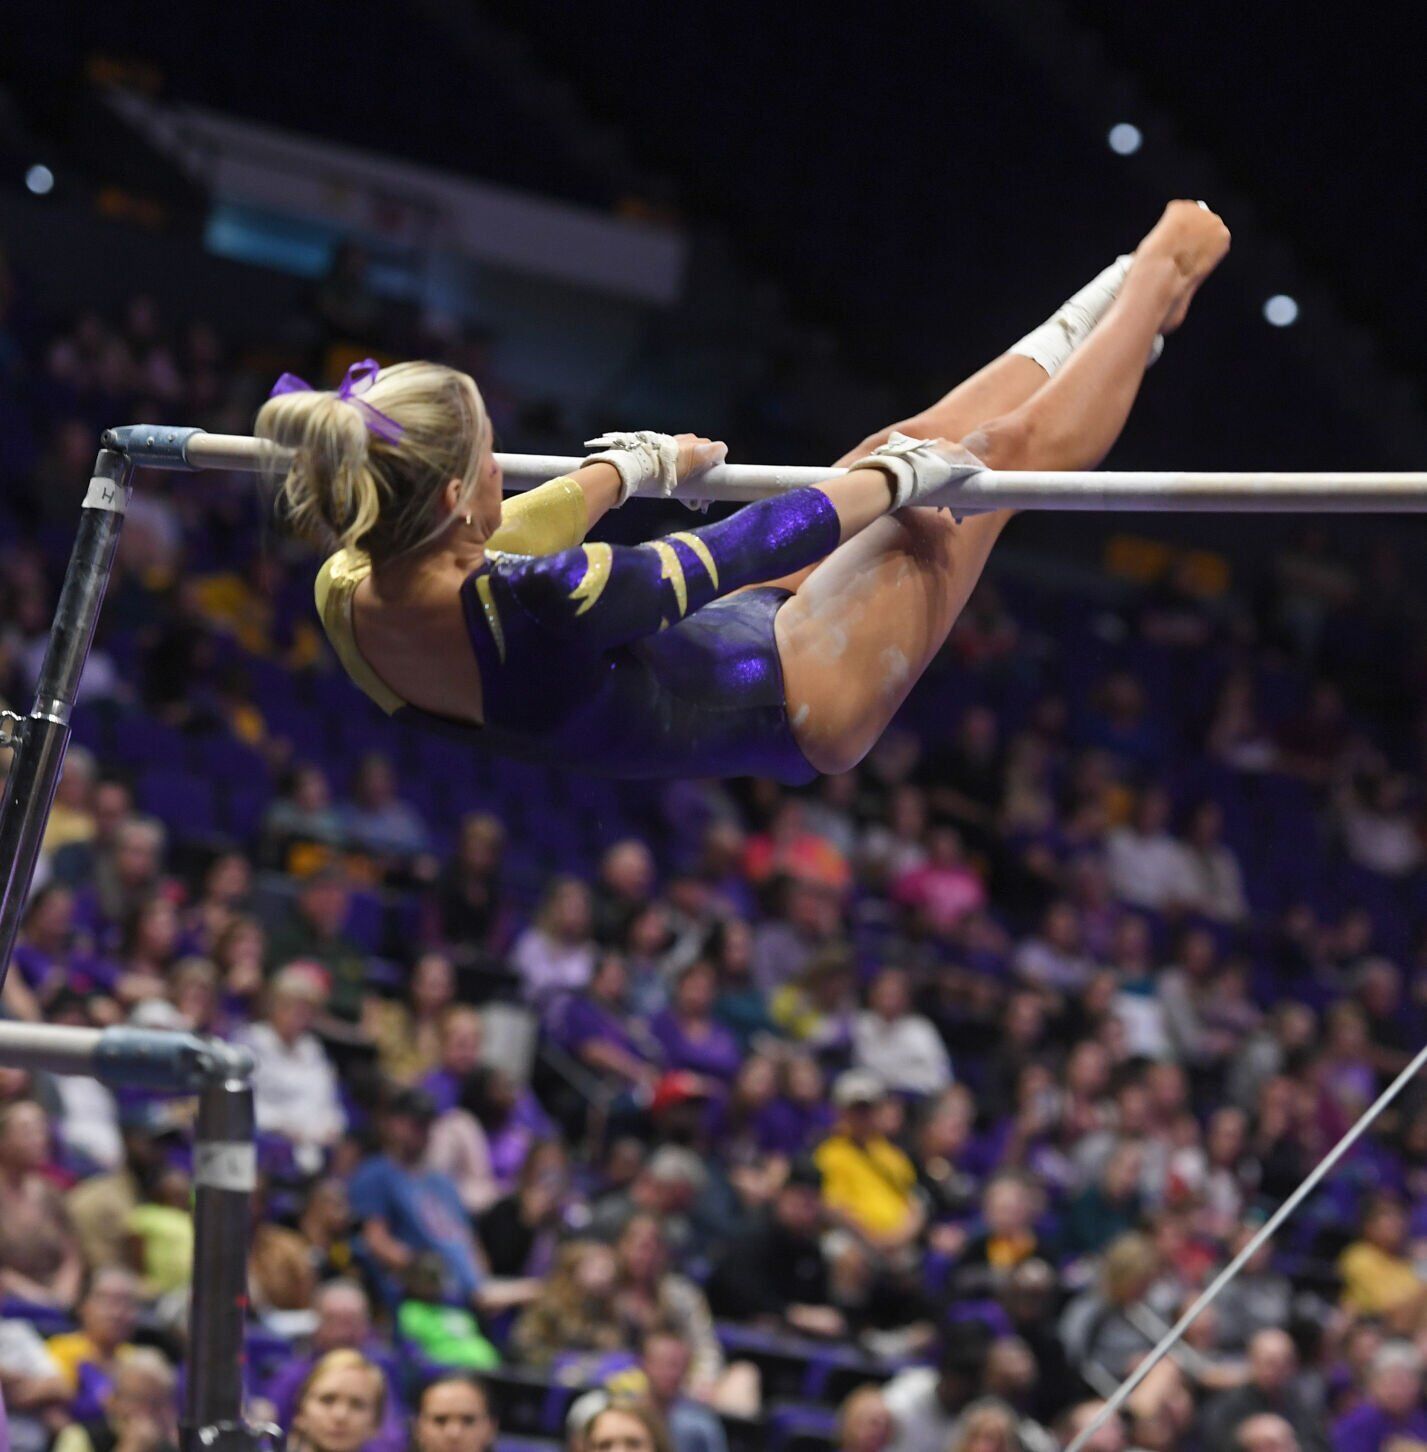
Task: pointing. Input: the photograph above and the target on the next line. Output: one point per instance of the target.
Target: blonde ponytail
(347, 487)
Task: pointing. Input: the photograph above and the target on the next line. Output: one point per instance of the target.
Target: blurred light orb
(1125, 139)
(40, 179)
(1281, 310)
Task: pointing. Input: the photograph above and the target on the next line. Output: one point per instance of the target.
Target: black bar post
(41, 738)
(225, 1175)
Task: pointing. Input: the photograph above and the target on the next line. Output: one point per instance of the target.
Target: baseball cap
(679, 1087)
(858, 1086)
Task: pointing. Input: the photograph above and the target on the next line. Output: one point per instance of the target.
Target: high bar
(1086, 491)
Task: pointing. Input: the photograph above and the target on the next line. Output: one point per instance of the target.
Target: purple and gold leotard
(622, 660)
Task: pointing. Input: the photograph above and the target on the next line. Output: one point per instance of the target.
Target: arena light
(1125, 138)
(40, 179)
(1281, 311)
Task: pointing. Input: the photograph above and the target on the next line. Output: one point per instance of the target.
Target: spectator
(511, 1116)
(315, 931)
(377, 820)
(944, 889)
(1392, 1413)
(139, 1411)
(294, 1084)
(519, 1232)
(572, 1312)
(407, 1035)
(1215, 878)
(1273, 1389)
(340, 1405)
(128, 872)
(302, 815)
(868, 1183)
(901, 1047)
(39, 1256)
(1378, 1277)
(461, 1040)
(987, 1425)
(690, 1036)
(442, 1334)
(775, 1273)
(819, 1008)
(35, 1393)
(1265, 1433)
(344, 1325)
(557, 952)
(790, 849)
(161, 1235)
(864, 1423)
(1104, 1329)
(469, 896)
(627, 1426)
(1054, 960)
(405, 1209)
(596, 1027)
(1380, 830)
(1258, 1298)
(805, 924)
(1008, 1238)
(1149, 868)
(76, 863)
(458, 1149)
(1110, 1207)
(89, 1357)
(453, 1414)
(71, 818)
(662, 1376)
(649, 1294)
(925, 1401)
(625, 890)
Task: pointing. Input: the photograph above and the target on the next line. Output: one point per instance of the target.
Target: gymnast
(777, 642)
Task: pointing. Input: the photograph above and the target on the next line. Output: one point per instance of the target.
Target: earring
(468, 520)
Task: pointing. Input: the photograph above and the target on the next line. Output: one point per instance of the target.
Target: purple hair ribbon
(359, 378)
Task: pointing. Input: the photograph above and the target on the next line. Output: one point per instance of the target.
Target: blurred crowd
(900, 1114)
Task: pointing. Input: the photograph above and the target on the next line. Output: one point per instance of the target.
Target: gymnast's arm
(557, 515)
(610, 594)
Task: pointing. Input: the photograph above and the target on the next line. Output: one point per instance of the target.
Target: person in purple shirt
(688, 1032)
(1393, 1407)
(596, 1028)
(513, 1118)
(344, 1323)
(462, 1040)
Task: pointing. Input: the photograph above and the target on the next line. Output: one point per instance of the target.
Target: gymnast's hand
(1195, 241)
(697, 455)
(651, 463)
(921, 471)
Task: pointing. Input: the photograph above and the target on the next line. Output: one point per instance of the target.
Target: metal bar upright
(42, 737)
(225, 1174)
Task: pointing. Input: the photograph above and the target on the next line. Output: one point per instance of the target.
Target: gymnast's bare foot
(1195, 240)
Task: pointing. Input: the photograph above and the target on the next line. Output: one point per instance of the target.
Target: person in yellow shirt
(1378, 1278)
(108, 1315)
(869, 1185)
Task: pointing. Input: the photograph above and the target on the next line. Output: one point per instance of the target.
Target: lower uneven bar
(988, 489)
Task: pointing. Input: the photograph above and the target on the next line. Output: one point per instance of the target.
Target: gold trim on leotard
(704, 553)
(487, 599)
(335, 586)
(671, 568)
(543, 521)
(599, 559)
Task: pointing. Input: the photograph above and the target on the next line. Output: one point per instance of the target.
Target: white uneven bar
(1088, 491)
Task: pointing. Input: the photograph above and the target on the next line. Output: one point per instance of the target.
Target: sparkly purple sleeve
(610, 594)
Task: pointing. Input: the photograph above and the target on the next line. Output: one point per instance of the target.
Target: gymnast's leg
(1006, 382)
(865, 624)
